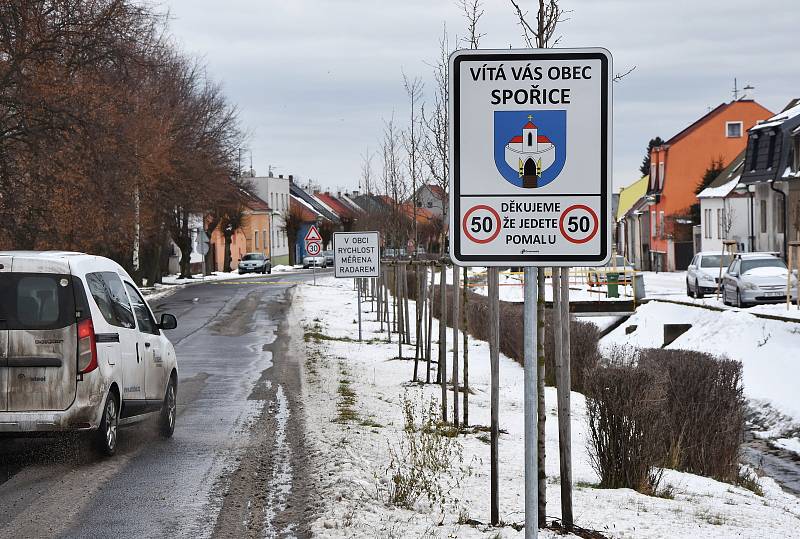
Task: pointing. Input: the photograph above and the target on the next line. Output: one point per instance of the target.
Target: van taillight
(87, 347)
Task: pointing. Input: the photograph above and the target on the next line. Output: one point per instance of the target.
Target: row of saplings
(648, 409)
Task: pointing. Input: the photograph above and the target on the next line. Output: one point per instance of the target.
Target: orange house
(252, 237)
(677, 167)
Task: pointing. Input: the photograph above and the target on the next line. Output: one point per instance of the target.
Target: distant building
(771, 171)
(677, 167)
(630, 221)
(432, 198)
(275, 192)
(725, 210)
(251, 237)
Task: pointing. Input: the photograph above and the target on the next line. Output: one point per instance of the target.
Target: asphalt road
(236, 464)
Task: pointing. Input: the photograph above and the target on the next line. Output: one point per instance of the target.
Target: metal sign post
(356, 255)
(530, 157)
(313, 246)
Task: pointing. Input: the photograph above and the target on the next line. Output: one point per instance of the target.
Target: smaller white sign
(356, 254)
(313, 248)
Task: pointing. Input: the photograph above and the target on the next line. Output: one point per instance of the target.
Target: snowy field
(353, 456)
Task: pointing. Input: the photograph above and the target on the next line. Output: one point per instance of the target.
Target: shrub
(624, 403)
(426, 462)
(704, 411)
(584, 336)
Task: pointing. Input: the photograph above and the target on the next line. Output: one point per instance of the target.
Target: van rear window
(36, 301)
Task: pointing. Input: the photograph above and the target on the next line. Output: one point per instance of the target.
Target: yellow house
(252, 237)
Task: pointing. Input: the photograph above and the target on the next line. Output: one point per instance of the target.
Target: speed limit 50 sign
(530, 157)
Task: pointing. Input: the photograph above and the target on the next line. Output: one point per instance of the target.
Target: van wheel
(169, 410)
(106, 436)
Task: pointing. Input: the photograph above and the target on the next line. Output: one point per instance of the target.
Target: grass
(347, 399)
(749, 479)
(715, 519)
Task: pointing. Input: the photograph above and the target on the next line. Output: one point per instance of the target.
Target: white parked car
(703, 274)
(80, 350)
(757, 278)
(315, 261)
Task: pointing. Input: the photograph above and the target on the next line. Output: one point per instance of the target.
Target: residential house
(313, 211)
(630, 221)
(772, 171)
(432, 198)
(677, 167)
(252, 237)
(275, 192)
(725, 210)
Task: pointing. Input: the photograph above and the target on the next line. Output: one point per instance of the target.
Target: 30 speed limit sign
(530, 157)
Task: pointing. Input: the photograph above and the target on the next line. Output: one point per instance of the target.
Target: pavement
(236, 465)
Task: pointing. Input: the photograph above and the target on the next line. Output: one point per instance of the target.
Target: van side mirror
(168, 321)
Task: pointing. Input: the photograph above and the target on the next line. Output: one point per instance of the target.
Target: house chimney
(280, 176)
(355, 193)
(291, 177)
(338, 194)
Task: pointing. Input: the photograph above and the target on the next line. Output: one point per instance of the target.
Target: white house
(275, 192)
(726, 211)
(530, 153)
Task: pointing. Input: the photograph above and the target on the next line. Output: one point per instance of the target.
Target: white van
(80, 350)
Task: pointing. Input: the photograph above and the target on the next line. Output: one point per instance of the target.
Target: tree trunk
(542, 412)
(226, 264)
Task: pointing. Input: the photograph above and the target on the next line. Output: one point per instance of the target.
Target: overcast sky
(315, 79)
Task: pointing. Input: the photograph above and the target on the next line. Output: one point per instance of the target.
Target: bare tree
(728, 215)
(412, 143)
(548, 15)
(366, 172)
(394, 185)
(473, 11)
(543, 34)
(436, 143)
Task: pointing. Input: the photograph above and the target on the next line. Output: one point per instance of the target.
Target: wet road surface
(236, 464)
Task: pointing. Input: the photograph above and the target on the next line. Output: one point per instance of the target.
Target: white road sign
(530, 157)
(356, 254)
(313, 248)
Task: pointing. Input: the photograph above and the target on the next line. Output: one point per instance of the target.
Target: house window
(707, 224)
(264, 235)
(763, 216)
(733, 129)
(661, 174)
(530, 139)
(661, 223)
(777, 209)
(771, 150)
(653, 224)
(719, 224)
(754, 152)
(255, 240)
(653, 175)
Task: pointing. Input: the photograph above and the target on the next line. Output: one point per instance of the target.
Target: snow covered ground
(353, 455)
(171, 283)
(670, 286)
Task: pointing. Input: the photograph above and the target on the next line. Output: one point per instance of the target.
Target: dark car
(255, 263)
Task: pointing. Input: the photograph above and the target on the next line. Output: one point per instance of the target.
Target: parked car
(328, 257)
(703, 274)
(618, 264)
(317, 261)
(82, 350)
(756, 278)
(256, 263)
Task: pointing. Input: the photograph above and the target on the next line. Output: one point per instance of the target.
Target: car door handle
(137, 353)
